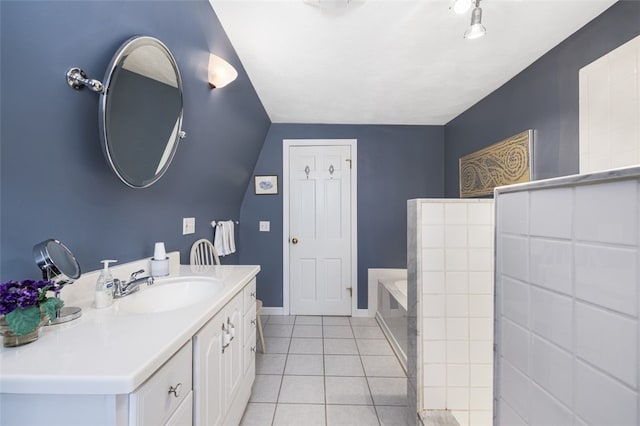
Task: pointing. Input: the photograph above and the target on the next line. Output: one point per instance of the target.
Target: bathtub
(392, 314)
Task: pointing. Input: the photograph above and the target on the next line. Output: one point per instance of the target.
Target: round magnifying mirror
(58, 263)
(55, 259)
(141, 111)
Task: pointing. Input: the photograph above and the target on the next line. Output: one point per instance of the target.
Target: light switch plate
(188, 225)
(265, 226)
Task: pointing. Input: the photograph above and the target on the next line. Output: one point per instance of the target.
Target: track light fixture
(476, 30)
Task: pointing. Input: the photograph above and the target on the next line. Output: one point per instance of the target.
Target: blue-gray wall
(55, 181)
(395, 163)
(543, 97)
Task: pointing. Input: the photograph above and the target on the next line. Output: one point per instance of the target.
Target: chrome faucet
(124, 288)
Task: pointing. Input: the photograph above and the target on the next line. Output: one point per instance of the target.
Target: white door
(320, 230)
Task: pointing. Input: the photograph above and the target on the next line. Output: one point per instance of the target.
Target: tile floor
(331, 371)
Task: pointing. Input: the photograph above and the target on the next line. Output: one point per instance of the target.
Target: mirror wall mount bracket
(77, 79)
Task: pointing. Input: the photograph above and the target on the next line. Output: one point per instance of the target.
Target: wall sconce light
(221, 72)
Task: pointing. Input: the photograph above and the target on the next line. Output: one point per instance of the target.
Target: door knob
(294, 240)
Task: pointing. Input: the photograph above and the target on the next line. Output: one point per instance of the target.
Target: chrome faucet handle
(135, 274)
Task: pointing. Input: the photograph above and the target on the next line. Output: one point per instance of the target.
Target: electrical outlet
(188, 225)
(265, 226)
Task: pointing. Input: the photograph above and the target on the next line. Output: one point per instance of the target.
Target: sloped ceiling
(388, 62)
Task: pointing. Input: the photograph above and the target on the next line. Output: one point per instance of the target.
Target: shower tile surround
(568, 299)
(450, 270)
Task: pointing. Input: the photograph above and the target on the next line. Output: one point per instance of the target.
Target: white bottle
(104, 286)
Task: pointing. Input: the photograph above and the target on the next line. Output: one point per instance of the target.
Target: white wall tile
(481, 375)
(554, 222)
(456, 259)
(432, 260)
(435, 352)
(480, 398)
(435, 398)
(546, 410)
(551, 264)
(434, 329)
(508, 416)
(481, 329)
(435, 375)
(481, 305)
(433, 282)
(551, 317)
(457, 352)
(457, 398)
(457, 328)
(481, 282)
(481, 418)
(458, 375)
(432, 213)
(432, 236)
(455, 236)
(600, 400)
(552, 368)
(480, 352)
(457, 282)
(481, 236)
(515, 390)
(614, 221)
(480, 213)
(608, 341)
(480, 259)
(513, 213)
(514, 257)
(515, 346)
(433, 306)
(607, 276)
(457, 305)
(455, 213)
(515, 301)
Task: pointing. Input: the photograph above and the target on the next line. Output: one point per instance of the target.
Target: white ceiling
(388, 61)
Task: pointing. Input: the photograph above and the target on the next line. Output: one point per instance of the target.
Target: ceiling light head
(476, 30)
(460, 6)
(221, 72)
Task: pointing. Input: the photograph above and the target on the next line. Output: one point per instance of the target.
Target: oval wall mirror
(141, 111)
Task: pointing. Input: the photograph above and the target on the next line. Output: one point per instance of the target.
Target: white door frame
(286, 144)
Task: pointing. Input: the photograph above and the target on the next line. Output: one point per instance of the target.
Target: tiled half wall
(450, 266)
(567, 332)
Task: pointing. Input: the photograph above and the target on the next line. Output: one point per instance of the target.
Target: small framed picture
(266, 185)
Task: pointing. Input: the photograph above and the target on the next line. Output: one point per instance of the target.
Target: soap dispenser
(104, 286)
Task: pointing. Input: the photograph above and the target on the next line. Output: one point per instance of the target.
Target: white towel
(231, 236)
(224, 239)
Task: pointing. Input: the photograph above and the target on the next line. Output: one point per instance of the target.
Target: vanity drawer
(249, 352)
(157, 399)
(250, 295)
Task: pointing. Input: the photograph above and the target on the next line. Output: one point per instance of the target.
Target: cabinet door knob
(253, 348)
(175, 390)
(253, 321)
(253, 294)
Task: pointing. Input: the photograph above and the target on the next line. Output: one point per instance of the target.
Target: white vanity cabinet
(156, 369)
(165, 393)
(222, 378)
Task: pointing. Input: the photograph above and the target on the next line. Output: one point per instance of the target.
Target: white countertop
(109, 351)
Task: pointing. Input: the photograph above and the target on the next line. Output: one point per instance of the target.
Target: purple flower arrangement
(21, 302)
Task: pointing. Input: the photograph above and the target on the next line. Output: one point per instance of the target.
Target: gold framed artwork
(504, 163)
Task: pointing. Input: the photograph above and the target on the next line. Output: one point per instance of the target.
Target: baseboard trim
(272, 310)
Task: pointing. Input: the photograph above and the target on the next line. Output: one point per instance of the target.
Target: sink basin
(171, 295)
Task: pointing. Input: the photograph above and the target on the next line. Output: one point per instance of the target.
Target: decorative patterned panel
(503, 163)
